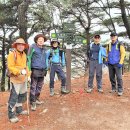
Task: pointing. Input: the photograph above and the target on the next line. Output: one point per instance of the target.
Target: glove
(119, 65)
(29, 79)
(23, 72)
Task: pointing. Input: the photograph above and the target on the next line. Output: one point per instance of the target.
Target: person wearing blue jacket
(38, 67)
(55, 61)
(115, 60)
(96, 54)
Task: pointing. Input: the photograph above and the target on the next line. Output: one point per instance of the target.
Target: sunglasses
(97, 37)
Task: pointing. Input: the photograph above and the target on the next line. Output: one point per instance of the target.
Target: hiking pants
(115, 71)
(56, 68)
(18, 95)
(94, 66)
(36, 87)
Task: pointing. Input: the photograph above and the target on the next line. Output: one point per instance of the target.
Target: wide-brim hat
(39, 35)
(52, 42)
(20, 41)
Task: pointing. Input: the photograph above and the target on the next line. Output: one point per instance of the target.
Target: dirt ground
(75, 111)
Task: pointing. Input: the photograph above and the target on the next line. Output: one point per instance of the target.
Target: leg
(119, 79)
(38, 89)
(91, 74)
(22, 97)
(34, 81)
(112, 76)
(13, 99)
(99, 75)
(52, 76)
(61, 73)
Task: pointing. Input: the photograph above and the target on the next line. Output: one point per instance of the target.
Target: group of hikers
(33, 68)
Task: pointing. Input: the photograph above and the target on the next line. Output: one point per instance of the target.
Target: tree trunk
(3, 65)
(22, 20)
(124, 17)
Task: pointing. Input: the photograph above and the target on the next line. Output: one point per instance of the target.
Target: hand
(119, 65)
(29, 79)
(23, 72)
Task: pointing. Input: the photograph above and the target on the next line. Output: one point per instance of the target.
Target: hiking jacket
(115, 54)
(56, 57)
(16, 65)
(36, 57)
(101, 53)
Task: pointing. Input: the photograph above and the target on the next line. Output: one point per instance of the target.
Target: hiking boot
(113, 91)
(24, 112)
(33, 106)
(52, 92)
(14, 119)
(100, 90)
(120, 93)
(89, 90)
(20, 111)
(38, 102)
(64, 91)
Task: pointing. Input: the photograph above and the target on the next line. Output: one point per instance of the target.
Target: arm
(63, 59)
(107, 51)
(28, 71)
(103, 50)
(122, 53)
(11, 65)
(29, 57)
(47, 58)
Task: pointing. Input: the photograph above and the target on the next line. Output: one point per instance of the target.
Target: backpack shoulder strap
(60, 53)
(15, 54)
(51, 54)
(109, 46)
(29, 56)
(91, 44)
(120, 43)
(30, 52)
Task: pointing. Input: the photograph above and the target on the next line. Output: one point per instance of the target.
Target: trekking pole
(28, 86)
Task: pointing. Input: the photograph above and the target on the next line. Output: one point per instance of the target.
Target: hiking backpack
(51, 53)
(117, 45)
(8, 74)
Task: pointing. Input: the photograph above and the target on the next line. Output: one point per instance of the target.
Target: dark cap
(96, 36)
(52, 42)
(39, 35)
(113, 34)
